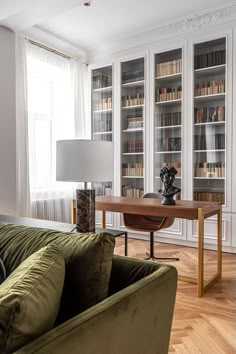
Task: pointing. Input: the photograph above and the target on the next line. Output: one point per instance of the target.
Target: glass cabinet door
(168, 115)
(132, 125)
(102, 110)
(209, 121)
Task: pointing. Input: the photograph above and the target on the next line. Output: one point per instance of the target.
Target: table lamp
(84, 161)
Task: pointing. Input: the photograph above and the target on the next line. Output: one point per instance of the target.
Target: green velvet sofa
(135, 317)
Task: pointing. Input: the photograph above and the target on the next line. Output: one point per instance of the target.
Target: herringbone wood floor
(204, 325)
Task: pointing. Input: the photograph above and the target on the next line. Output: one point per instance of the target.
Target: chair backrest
(147, 223)
(153, 195)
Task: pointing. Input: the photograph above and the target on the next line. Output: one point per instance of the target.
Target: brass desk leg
(200, 282)
(202, 286)
(219, 243)
(103, 219)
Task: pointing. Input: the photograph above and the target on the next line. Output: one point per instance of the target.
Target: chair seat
(141, 223)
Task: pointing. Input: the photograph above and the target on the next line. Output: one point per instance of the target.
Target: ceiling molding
(185, 25)
(44, 37)
(198, 22)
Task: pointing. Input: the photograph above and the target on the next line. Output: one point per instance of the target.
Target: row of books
(209, 88)
(138, 112)
(167, 119)
(169, 93)
(103, 137)
(209, 59)
(135, 145)
(103, 103)
(209, 197)
(209, 142)
(133, 100)
(175, 164)
(100, 81)
(132, 169)
(135, 123)
(103, 124)
(134, 75)
(169, 68)
(210, 169)
(108, 191)
(209, 114)
(170, 144)
(102, 189)
(131, 192)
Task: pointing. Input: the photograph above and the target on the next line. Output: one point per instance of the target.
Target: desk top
(184, 209)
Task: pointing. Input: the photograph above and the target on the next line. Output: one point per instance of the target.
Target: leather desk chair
(149, 224)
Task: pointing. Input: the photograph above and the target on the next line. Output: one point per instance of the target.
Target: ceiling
(104, 23)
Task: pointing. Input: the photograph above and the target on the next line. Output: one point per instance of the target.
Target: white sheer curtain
(22, 157)
(54, 83)
(79, 78)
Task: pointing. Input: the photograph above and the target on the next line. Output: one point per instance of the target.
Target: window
(50, 118)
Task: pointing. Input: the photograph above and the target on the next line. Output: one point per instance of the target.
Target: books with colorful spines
(220, 113)
(199, 115)
(209, 59)
(196, 115)
(223, 56)
(212, 114)
(200, 89)
(214, 58)
(218, 57)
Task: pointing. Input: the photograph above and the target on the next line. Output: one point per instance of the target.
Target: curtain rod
(49, 49)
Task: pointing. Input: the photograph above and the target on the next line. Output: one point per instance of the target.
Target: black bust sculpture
(167, 175)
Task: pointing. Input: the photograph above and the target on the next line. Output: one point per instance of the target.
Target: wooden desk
(184, 209)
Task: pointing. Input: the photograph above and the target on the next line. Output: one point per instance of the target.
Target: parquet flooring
(204, 325)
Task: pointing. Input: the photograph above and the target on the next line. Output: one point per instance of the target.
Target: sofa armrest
(126, 271)
(136, 320)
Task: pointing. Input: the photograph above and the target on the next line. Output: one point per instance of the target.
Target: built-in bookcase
(168, 114)
(209, 145)
(132, 127)
(102, 114)
(173, 106)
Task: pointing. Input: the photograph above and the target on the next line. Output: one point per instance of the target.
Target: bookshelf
(132, 127)
(182, 108)
(102, 114)
(209, 126)
(168, 68)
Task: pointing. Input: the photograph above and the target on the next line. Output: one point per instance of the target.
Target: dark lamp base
(85, 210)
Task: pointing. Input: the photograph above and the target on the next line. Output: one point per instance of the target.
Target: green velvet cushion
(30, 298)
(88, 260)
(2, 272)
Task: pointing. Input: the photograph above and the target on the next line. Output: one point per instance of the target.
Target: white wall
(7, 123)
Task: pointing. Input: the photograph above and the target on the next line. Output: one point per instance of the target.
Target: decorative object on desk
(167, 175)
(85, 161)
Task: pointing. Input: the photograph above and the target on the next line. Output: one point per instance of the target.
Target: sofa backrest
(88, 260)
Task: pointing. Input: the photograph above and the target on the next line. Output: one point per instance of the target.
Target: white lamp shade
(84, 161)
